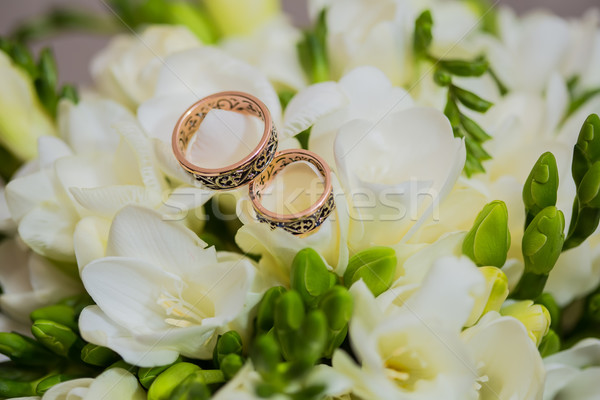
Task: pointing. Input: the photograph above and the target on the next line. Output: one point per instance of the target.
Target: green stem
(530, 286)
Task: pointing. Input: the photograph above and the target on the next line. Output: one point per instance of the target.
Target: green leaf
(45, 384)
(69, 92)
(541, 187)
(375, 266)
(23, 58)
(98, 355)
(488, 241)
(473, 68)
(470, 99)
(423, 37)
(310, 276)
(47, 68)
(593, 307)
(312, 51)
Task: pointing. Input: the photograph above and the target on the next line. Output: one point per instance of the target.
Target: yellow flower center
(182, 313)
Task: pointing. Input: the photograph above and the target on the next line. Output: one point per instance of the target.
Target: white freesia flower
(22, 118)
(532, 48)
(66, 186)
(380, 33)
(416, 349)
(271, 49)
(574, 373)
(160, 292)
(30, 281)
(128, 68)
(7, 225)
(114, 383)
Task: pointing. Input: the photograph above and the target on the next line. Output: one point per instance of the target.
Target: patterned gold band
(302, 222)
(245, 170)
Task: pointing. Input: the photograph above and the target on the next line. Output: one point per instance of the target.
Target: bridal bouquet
(400, 201)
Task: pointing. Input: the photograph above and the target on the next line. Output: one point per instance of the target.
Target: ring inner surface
(191, 124)
(264, 184)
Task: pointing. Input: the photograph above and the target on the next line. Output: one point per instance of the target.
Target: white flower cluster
(105, 208)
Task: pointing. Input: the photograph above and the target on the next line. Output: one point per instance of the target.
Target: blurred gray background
(73, 51)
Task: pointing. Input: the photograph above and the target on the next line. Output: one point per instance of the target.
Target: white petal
(50, 149)
(48, 230)
(583, 354)
(583, 386)
(127, 290)
(97, 328)
(24, 193)
(141, 233)
(63, 390)
(496, 342)
(89, 240)
(89, 125)
(116, 383)
(575, 274)
(310, 104)
(108, 200)
(447, 295)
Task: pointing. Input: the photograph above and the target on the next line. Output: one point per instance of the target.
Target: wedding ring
(241, 172)
(306, 220)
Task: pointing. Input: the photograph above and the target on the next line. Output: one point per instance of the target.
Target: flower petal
(97, 328)
(142, 233)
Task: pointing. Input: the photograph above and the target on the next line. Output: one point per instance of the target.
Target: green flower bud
(488, 241)
(587, 149)
(10, 388)
(231, 364)
(165, 383)
(337, 304)
(147, 375)
(541, 186)
(471, 100)
(375, 266)
(265, 355)
(422, 35)
(124, 365)
(547, 300)
(24, 350)
(476, 150)
(192, 387)
(23, 58)
(229, 343)
(476, 67)
(265, 313)
(189, 15)
(310, 276)
(55, 337)
(550, 344)
(59, 313)
(593, 307)
(241, 17)
(311, 338)
(496, 292)
(289, 314)
(543, 241)
(588, 191)
(50, 381)
(98, 355)
(535, 317)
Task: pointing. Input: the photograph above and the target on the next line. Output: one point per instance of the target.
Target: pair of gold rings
(259, 168)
